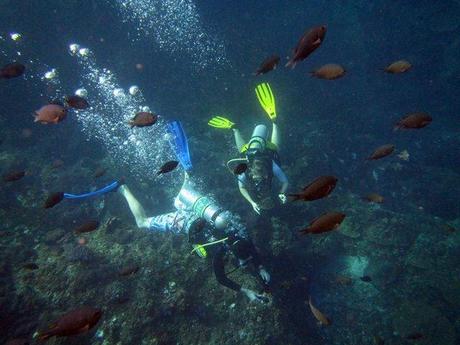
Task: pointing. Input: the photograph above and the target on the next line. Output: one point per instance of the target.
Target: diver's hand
(254, 296)
(264, 274)
(282, 198)
(256, 207)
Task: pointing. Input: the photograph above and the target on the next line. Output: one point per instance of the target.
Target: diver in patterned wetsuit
(200, 217)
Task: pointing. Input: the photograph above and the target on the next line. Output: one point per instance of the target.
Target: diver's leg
(239, 141)
(275, 137)
(136, 208)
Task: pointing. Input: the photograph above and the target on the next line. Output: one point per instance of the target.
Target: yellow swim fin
(266, 99)
(220, 122)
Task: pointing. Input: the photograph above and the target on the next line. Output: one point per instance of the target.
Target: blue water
(196, 60)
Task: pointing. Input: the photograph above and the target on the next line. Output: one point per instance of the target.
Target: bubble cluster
(176, 28)
(142, 150)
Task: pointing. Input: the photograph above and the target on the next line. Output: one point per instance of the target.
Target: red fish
(326, 222)
(129, 270)
(268, 65)
(414, 121)
(76, 102)
(143, 119)
(381, 151)
(89, 226)
(12, 70)
(53, 199)
(74, 322)
(14, 176)
(308, 43)
(51, 113)
(319, 188)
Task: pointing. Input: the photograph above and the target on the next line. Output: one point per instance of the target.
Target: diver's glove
(254, 296)
(282, 198)
(256, 207)
(264, 274)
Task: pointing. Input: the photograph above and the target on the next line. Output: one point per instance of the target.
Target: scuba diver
(261, 156)
(209, 227)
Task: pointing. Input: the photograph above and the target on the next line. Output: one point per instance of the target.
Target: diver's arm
(239, 141)
(281, 176)
(275, 137)
(244, 192)
(136, 208)
(219, 270)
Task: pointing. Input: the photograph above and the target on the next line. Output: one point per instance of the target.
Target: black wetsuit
(243, 249)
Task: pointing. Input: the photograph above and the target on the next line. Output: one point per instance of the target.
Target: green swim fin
(266, 99)
(220, 122)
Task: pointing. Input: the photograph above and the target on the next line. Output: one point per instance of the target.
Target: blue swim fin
(179, 144)
(114, 185)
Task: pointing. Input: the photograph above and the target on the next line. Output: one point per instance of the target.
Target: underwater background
(389, 275)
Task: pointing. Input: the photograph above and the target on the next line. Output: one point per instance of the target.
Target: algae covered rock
(414, 317)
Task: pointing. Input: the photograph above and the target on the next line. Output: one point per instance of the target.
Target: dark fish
(319, 188)
(366, 279)
(415, 336)
(399, 66)
(449, 228)
(89, 226)
(14, 176)
(378, 340)
(30, 266)
(57, 163)
(53, 199)
(18, 341)
(143, 119)
(308, 43)
(77, 321)
(129, 270)
(76, 102)
(100, 172)
(326, 222)
(382, 151)
(330, 72)
(167, 167)
(414, 121)
(50, 113)
(240, 168)
(374, 197)
(12, 70)
(268, 65)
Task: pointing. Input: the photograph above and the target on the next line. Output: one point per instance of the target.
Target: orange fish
(319, 188)
(268, 65)
(319, 315)
(414, 121)
(308, 43)
(51, 113)
(74, 322)
(382, 151)
(324, 223)
(129, 270)
(374, 197)
(399, 66)
(330, 72)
